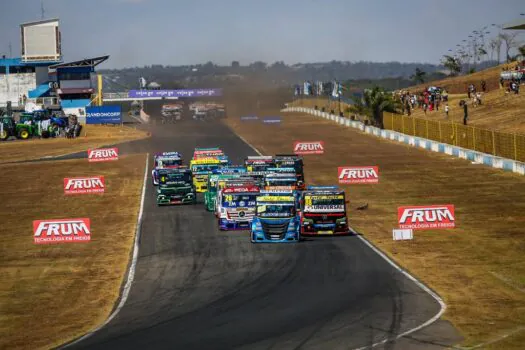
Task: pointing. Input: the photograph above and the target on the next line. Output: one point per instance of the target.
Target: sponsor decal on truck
(84, 185)
(426, 217)
(313, 147)
(358, 174)
(61, 231)
(102, 154)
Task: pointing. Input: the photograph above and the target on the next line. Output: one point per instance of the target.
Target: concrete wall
(15, 84)
(434, 146)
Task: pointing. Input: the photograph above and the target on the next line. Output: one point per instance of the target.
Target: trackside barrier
(415, 141)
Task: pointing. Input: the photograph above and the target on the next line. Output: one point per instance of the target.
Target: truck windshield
(284, 210)
(332, 203)
(174, 177)
(239, 200)
(169, 162)
(258, 167)
(204, 167)
(297, 165)
(281, 182)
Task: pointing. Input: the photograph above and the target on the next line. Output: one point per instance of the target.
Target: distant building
(74, 84)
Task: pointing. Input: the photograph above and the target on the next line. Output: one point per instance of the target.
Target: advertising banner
(358, 174)
(102, 154)
(313, 147)
(175, 93)
(61, 231)
(247, 118)
(272, 120)
(104, 115)
(84, 185)
(426, 217)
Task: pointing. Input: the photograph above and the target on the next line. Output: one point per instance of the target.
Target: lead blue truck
(276, 219)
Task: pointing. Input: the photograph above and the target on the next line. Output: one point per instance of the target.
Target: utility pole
(42, 8)
(10, 50)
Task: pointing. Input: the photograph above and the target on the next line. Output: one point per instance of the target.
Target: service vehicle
(201, 168)
(171, 113)
(210, 195)
(258, 163)
(176, 187)
(237, 205)
(276, 219)
(292, 161)
(164, 160)
(323, 211)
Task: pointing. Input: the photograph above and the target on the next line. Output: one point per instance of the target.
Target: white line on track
(442, 304)
(131, 272)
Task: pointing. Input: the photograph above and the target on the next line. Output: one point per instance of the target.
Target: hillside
(458, 85)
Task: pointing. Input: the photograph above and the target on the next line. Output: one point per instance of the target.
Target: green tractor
(7, 127)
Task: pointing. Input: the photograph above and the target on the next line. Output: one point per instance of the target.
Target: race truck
(323, 211)
(171, 112)
(201, 168)
(258, 163)
(164, 160)
(276, 219)
(213, 183)
(292, 161)
(211, 152)
(228, 180)
(280, 179)
(175, 187)
(236, 204)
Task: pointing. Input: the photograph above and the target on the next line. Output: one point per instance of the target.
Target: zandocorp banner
(104, 115)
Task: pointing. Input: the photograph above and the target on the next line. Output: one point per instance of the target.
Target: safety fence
(499, 162)
(501, 144)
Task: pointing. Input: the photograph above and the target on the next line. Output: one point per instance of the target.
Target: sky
(177, 32)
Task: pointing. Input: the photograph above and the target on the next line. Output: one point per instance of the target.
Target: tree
(495, 48)
(510, 42)
(521, 49)
(235, 64)
(453, 64)
(374, 103)
(418, 76)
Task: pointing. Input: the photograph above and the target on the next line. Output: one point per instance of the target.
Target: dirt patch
(92, 136)
(456, 263)
(53, 293)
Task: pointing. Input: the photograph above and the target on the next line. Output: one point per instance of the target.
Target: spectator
(465, 113)
(425, 108)
(446, 110)
(483, 86)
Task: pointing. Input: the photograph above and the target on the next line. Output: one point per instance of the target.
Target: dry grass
(461, 264)
(92, 136)
(50, 294)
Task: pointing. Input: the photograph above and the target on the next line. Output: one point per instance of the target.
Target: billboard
(175, 93)
(104, 115)
(41, 41)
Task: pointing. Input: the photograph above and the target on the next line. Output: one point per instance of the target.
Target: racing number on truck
(229, 198)
(308, 201)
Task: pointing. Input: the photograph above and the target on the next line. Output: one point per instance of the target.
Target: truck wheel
(23, 134)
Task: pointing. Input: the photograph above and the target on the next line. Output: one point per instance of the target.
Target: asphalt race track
(198, 288)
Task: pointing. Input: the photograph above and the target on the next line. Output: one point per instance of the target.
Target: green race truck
(176, 187)
(210, 195)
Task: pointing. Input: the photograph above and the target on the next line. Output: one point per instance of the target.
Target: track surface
(198, 288)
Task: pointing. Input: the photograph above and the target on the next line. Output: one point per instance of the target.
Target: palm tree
(453, 64)
(418, 76)
(374, 102)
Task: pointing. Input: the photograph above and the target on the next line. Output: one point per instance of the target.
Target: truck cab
(201, 168)
(276, 219)
(292, 161)
(214, 179)
(176, 187)
(165, 160)
(323, 211)
(280, 179)
(258, 163)
(237, 206)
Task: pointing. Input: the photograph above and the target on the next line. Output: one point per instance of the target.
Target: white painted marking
(442, 304)
(131, 272)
